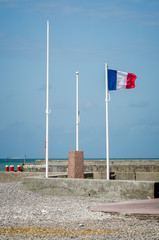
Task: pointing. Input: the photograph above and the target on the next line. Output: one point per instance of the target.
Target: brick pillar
(75, 164)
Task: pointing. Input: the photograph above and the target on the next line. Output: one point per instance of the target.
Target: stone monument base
(75, 164)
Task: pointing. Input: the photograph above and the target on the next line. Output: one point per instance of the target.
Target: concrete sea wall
(138, 169)
(6, 177)
(109, 190)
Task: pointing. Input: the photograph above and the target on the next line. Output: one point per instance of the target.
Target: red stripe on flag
(130, 82)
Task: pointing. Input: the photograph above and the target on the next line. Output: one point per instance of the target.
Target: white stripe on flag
(121, 80)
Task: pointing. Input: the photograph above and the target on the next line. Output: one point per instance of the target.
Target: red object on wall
(18, 168)
(11, 168)
(7, 168)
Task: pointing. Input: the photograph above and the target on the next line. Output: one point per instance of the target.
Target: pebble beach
(30, 215)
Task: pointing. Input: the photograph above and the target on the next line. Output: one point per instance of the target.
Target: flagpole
(47, 105)
(77, 112)
(107, 127)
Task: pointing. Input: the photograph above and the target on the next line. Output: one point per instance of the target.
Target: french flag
(120, 80)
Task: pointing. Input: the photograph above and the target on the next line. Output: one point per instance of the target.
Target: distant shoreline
(27, 159)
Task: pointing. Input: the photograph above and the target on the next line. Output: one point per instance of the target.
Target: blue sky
(83, 35)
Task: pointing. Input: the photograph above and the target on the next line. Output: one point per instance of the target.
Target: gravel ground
(30, 215)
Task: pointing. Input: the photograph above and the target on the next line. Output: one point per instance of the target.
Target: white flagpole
(77, 112)
(107, 128)
(47, 104)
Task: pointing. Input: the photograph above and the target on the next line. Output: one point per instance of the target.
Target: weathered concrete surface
(6, 177)
(147, 176)
(113, 162)
(126, 176)
(109, 190)
(139, 176)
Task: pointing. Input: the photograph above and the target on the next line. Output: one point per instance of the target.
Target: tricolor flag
(120, 80)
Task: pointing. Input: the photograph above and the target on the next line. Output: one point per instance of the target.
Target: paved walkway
(145, 207)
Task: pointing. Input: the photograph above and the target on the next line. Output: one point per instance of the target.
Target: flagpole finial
(77, 73)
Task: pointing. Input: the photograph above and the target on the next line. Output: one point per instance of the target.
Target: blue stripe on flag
(112, 79)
